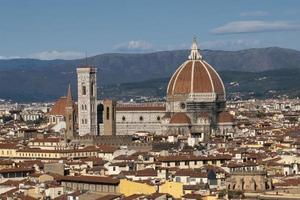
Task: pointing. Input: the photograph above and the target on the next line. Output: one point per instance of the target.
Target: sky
(68, 29)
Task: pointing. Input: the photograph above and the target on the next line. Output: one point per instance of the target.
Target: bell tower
(87, 100)
(109, 117)
(69, 116)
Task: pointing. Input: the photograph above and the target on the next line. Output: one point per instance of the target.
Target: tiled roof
(8, 145)
(19, 169)
(225, 117)
(193, 158)
(59, 107)
(50, 139)
(146, 172)
(195, 76)
(180, 118)
(90, 179)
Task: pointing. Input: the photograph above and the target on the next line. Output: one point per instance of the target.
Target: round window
(141, 118)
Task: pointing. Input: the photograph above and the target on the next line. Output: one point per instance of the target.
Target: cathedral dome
(195, 77)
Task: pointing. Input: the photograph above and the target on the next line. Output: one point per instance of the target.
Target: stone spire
(195, 55)
(69, 97)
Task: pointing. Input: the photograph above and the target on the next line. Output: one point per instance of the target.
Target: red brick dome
(195, 76)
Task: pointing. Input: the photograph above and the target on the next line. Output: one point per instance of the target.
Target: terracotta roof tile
(195, 76)
(180, 118)
(90, 179)
(225, 117)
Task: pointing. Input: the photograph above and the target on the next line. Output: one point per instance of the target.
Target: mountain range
(245, 71)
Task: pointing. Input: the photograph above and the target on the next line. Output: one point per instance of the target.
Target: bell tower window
(83, 92)
(107, 113)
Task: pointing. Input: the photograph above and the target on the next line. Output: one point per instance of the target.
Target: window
(107, 113)
(123, 118)
(85, 107)
(182, 105)
(141, 118)
(83, 90)
(158, 118)
(82, 121)
(85, 121)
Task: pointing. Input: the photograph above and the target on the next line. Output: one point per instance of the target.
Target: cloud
(256, 26)
(52, 55)
(9, 57)
(236, 44)
(134, 46)
(257, 13)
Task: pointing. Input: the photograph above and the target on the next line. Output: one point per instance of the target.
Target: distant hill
(264, 84)
(43, 80)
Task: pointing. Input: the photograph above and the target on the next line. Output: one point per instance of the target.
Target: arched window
(141, 118)
(158, 118)
(107, 113)
(123, 118)
(83, 92)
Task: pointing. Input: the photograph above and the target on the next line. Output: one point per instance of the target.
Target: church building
(63, 116)
(196, 100)
(195, 105)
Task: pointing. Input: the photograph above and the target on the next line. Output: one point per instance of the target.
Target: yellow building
(173, 188)
(128, 187)
(209, 197)
(8, 150)
(13, 151)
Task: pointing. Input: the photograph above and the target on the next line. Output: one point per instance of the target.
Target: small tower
(195, 54)
(87, 100)
(109, 117)
(69, 116)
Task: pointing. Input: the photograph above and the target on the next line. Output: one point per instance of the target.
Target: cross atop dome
(195, 55)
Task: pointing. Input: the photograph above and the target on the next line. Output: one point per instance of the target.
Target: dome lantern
(195, 55)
